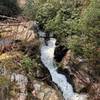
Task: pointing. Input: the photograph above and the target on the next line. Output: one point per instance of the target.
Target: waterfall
(47, 57)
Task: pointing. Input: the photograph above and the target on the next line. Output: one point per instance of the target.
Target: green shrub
(74, 23)
(30, 9)
(26, 63)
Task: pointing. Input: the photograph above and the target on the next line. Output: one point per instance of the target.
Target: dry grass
(9, 59)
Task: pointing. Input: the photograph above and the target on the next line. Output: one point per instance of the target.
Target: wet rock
(59, 53)
(81, 77)
(68, 76)
(67, 57)
(75, 71)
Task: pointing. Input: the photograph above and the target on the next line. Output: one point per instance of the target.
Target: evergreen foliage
(75, 23)
(9, 7)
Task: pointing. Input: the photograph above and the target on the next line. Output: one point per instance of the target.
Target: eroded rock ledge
(80, 74)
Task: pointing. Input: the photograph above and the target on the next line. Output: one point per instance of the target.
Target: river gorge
(47, 57)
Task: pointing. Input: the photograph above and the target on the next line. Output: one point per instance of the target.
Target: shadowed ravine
(47, 55)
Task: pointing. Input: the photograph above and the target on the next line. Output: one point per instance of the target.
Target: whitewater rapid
(47, 57)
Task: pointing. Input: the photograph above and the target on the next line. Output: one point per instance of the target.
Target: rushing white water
(47, 55)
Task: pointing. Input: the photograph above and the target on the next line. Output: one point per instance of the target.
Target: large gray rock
(21, 81)
(45, 92)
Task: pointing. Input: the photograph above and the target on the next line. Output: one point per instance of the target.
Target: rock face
(84, 80)
(66, 59)
(45, 92)
(21, 82)
(18, 31)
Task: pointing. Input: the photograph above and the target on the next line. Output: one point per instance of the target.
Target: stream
(47, 57)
